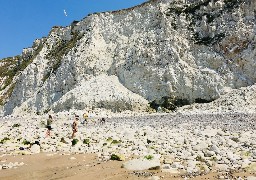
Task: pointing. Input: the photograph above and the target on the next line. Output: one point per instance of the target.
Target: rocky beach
(179, 145)
(174, 80)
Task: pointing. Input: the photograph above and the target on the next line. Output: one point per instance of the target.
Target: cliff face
(190, 50)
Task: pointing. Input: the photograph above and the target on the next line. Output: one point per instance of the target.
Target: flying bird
(65, 13)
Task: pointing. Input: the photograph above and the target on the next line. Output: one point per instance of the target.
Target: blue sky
(22, 21)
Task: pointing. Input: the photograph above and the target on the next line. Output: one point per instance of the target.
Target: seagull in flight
(65, 13)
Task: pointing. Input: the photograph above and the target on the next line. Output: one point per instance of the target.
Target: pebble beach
(184, 145)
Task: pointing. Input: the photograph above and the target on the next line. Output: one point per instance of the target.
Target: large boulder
(141, 164)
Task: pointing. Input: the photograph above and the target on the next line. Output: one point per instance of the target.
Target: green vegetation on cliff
(9, 68)
(56, 54)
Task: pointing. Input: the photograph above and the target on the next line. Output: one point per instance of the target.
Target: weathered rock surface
(243, 99)
(195, 51)
(170, 143)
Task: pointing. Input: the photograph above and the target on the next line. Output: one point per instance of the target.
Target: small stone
(221, 167)
(201, 146)
(171, 170)
(154, 178)
(209, 132)
(166, 166)
(190, 170)
(221, 177)
(35, 148)
(192, 164)
(215, 149)
(168, 160)
(208, 153)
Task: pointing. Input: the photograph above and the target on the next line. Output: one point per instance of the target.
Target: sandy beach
(85, 166)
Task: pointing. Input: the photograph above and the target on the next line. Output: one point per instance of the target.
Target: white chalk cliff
(188, 49)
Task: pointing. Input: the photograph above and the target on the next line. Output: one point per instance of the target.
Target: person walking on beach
(85, 116)
(75, 127)
(48, 126)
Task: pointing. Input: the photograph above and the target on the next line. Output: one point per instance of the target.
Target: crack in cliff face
(167, 52)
